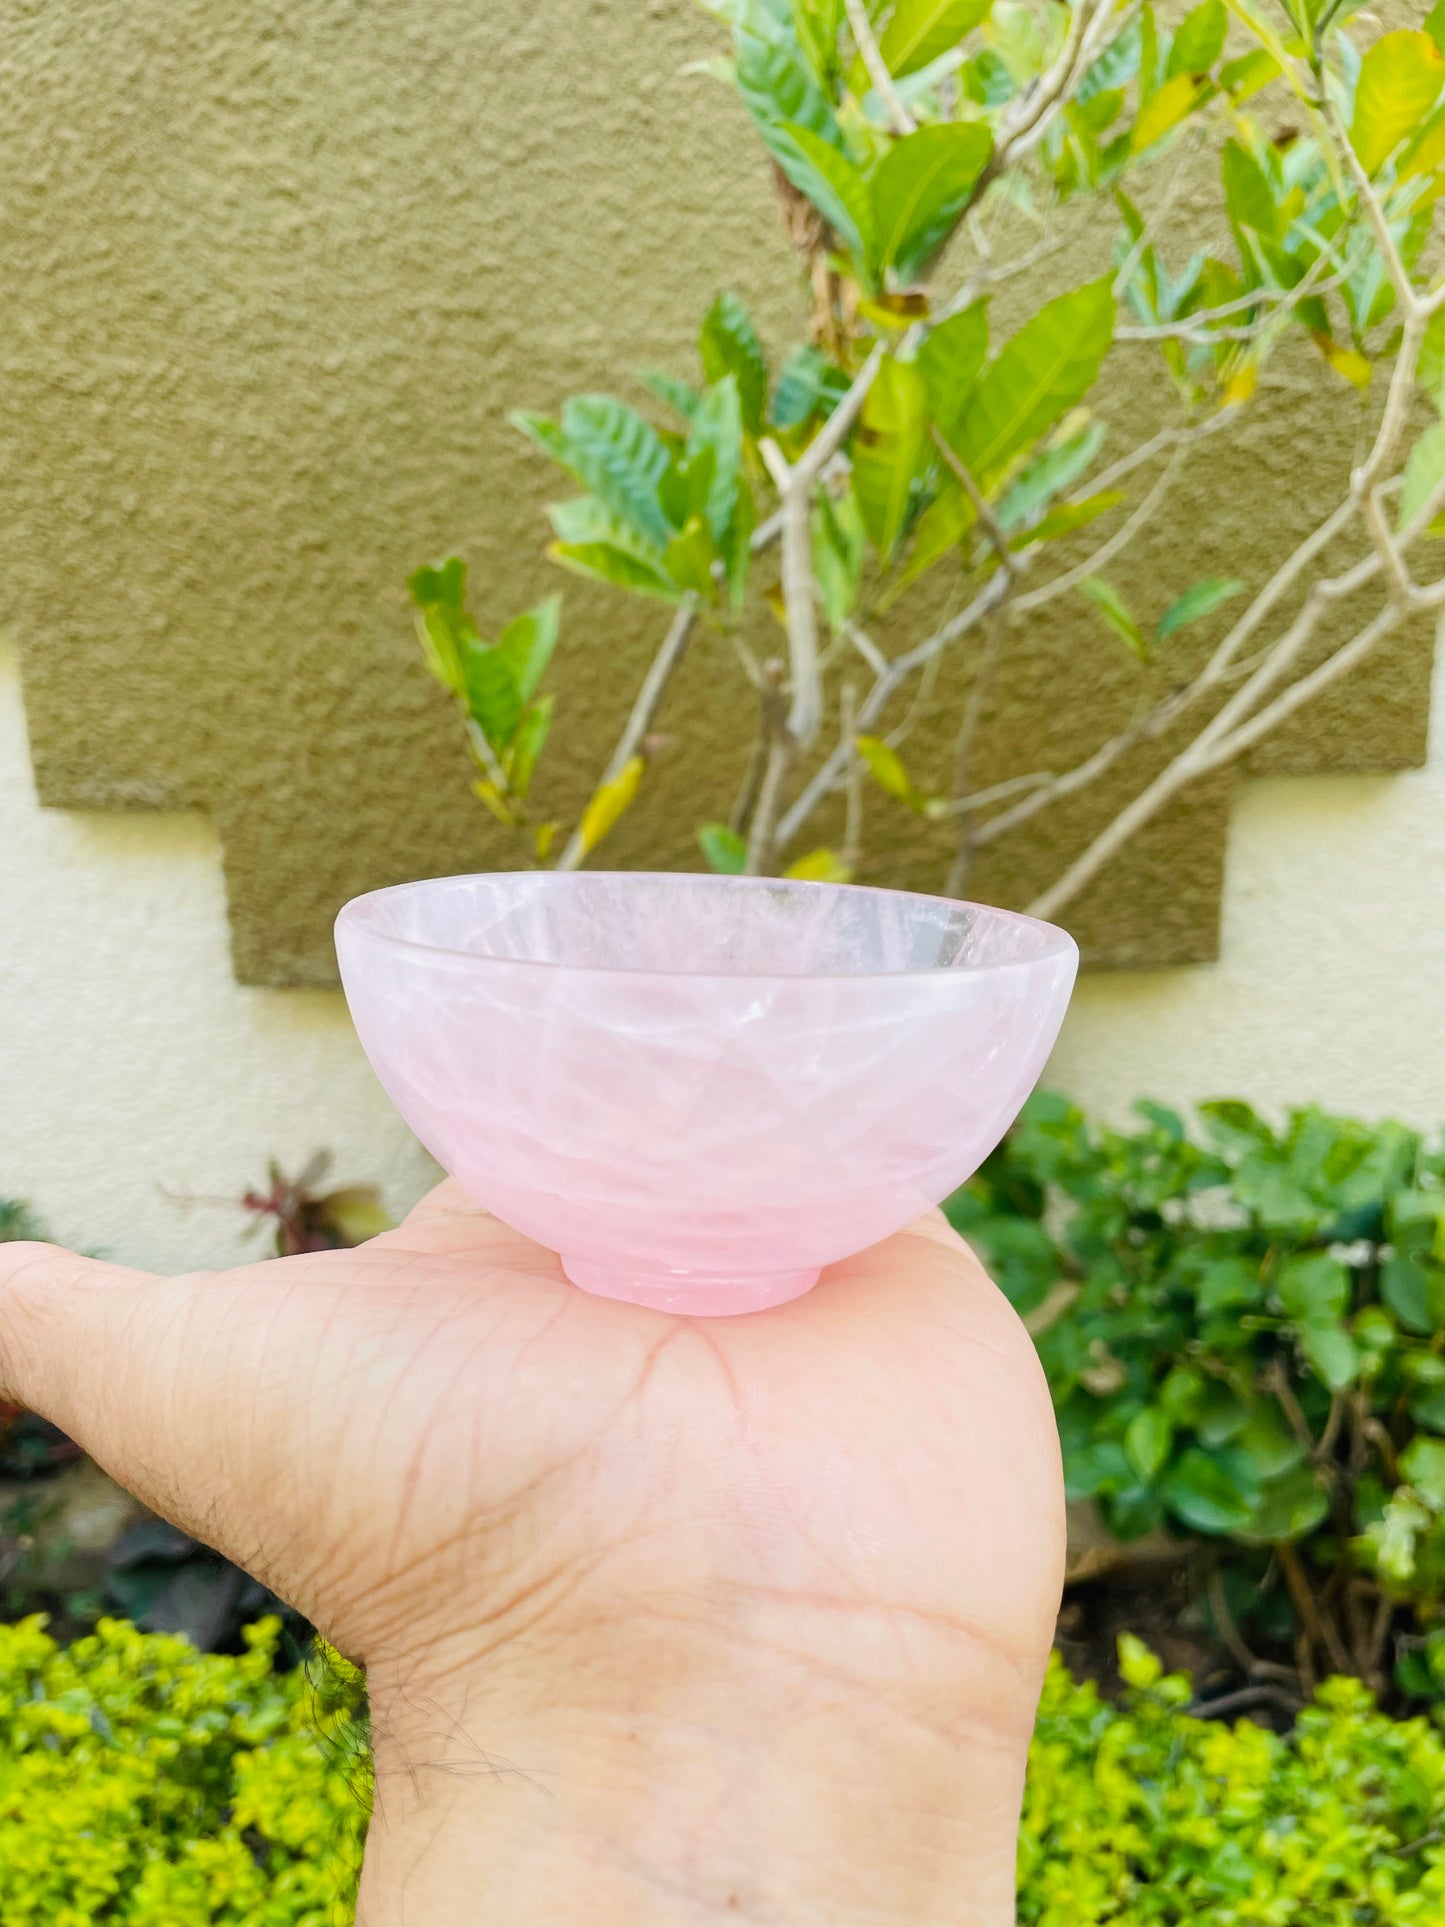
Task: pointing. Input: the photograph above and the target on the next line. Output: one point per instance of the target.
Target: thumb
(142, 1372)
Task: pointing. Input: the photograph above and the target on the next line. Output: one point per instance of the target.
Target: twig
(1241, 1701)
(853, 787)
(1116, 544)
(762, 832)
(963, 755)
(795, 485)
(982, 508)
(639, 721)
(1319, 1630)
(868, 49)
(1224, 1623)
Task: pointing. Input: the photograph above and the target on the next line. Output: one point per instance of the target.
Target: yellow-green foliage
(145, 1785)
(1138, 1814)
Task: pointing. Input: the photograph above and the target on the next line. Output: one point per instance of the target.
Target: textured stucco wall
(273, 276)
(135, 1071)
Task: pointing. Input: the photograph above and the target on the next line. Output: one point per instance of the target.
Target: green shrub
(144, 1784)
(1138, 1814)
(1253, 1348)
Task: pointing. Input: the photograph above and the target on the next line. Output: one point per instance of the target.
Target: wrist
(764, 1793)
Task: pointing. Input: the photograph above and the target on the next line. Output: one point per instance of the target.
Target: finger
(190, 1391)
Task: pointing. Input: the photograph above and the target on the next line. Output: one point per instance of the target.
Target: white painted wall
(132, 1065)
(135, 1071)
(1330, 986)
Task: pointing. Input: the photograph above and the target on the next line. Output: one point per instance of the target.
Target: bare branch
(1058, 787)
(853, 788)
(825, 779)
(1033, 114)
(1106, 551)
(982, 508)
(862, 30)
(797, 512)
(763, 842)
(639, 721)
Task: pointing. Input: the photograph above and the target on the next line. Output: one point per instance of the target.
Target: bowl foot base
(691, 1294)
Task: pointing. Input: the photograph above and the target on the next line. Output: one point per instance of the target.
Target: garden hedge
(143, 1784)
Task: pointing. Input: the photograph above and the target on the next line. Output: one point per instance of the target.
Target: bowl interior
(701, 925)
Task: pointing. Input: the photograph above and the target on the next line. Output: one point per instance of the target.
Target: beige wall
(132, 1065)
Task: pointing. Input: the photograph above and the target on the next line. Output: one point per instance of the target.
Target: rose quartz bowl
(699, 1090)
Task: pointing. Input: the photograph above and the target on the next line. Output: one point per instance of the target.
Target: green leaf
(921, 188)
(819, 866)
(1196, 603)
(1163, 112)
(1201, 1493)
(1227, 1283)
(1423, 472)
(940, 528)
(888, 772)
(690, 556)
(609, 563)
(1064, 517)
(527, 745)
(1400, 81)
(441, 584)
(950, 360)
(887, 448)
(1148, 1439)
(1198, 40)
(777, 85)
(492, 696)
(542, 432)
(1430, 369)
(1331, 1351)
(608, 802)
(725, 850)
(1244, 77)
(680, 396)
(918, 31)
(621, 458)
(718, 426)
(526, 645)
(839, 547)
(1422, 1464)
(1312, 1285)
(1115, 611)
(443, 625)
(1268, 1444)
(1048, 366)
(729, 345)
(832, 183)
(1138, 1667)
(1248, 195)
(1288, 1507)
(808, 384)
(1059, 467)
(1404, 1286)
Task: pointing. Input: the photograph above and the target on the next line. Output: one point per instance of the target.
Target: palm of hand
(449, 1457)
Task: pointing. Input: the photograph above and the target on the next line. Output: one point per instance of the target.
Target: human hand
(666, 1620)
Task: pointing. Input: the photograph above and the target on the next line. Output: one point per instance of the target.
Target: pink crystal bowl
(699, 1090)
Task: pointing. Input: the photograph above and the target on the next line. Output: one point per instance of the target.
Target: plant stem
(639, 721)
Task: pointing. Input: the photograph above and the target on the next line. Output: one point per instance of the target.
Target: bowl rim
(1055, 943)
